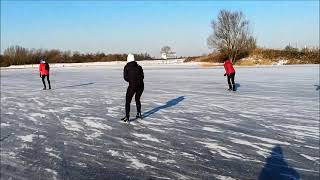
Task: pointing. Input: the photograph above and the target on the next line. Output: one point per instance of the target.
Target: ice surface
(194, 128)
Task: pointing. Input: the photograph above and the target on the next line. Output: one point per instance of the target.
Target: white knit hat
(130, 58)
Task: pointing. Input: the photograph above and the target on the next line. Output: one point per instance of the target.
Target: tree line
(17, 55)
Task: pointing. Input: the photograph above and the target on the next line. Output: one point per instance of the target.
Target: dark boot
(230, 87)
(233, 87)
(125, 119)
(139, 115)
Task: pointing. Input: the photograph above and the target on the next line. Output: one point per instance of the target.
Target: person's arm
(141, 71)
(125, 74)
(232, 68)
(40, 69)
(226, 69)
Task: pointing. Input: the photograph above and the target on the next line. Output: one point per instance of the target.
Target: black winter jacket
(133, 73)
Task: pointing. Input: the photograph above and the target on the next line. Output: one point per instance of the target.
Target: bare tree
(165, 49)
(231, 34)
(16, 54)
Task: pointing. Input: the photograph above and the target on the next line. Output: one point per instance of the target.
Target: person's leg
(44, 83)
(232, 80)
(137, 98)
(229, 83)
(48, 81)
(129, 95)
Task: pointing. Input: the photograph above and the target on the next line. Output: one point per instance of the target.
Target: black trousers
(44, 84)
(231, 79)
(131, 91)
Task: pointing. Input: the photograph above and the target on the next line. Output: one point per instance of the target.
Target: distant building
(169, 55)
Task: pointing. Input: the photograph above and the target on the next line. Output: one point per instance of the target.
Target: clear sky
(146, 26)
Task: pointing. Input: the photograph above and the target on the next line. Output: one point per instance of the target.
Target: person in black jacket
(133, 74)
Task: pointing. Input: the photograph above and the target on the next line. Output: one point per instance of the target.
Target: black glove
(224, 74)
(40, 75)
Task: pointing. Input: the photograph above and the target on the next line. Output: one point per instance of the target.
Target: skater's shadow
(277, 168)
(317, 87)
(237, 85)
(168, 104)
(76, 85)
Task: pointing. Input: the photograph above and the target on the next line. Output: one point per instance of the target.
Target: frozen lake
(194, 128)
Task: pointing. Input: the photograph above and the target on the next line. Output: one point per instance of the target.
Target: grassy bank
(266, 57)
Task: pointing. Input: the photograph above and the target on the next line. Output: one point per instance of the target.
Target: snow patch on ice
(310, 157)
(220, 177)
(72, 125)
(50, 150)
(71, 108)
(89, 122)
(87, 154)
(312, 147)
(304, 133)
(210, 129)
(82, 164)
(157, 130)
(223, 151)
(169, 161)
(113, 111)
(54, 155)
(113, 153)
(135, 163)
(93, 135)
(268, 140)
(266, 145)
(52, 111)
(190, 156)
(152, 158)
(312, 129)
(5, 124)
(32, 118)
(261, 151)
(27, 138)
(22, 105)
(55, 173)
(146, 137)
(243, 142)
(228, 122)
(153, 123)
(37, 115)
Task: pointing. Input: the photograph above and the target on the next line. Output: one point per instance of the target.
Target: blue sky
(146, 26)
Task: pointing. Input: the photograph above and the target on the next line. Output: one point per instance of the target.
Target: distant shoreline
(120, 64)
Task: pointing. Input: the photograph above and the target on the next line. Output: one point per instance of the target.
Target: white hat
(130, 58)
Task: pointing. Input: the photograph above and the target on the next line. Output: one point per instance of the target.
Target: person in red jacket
(230, 73)
(44, 72)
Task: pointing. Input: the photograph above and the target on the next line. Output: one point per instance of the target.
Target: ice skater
(133, 73)
(230, 73)
(44, 72)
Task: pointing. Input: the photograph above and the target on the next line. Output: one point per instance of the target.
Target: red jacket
(228, 67)
(42, 69)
